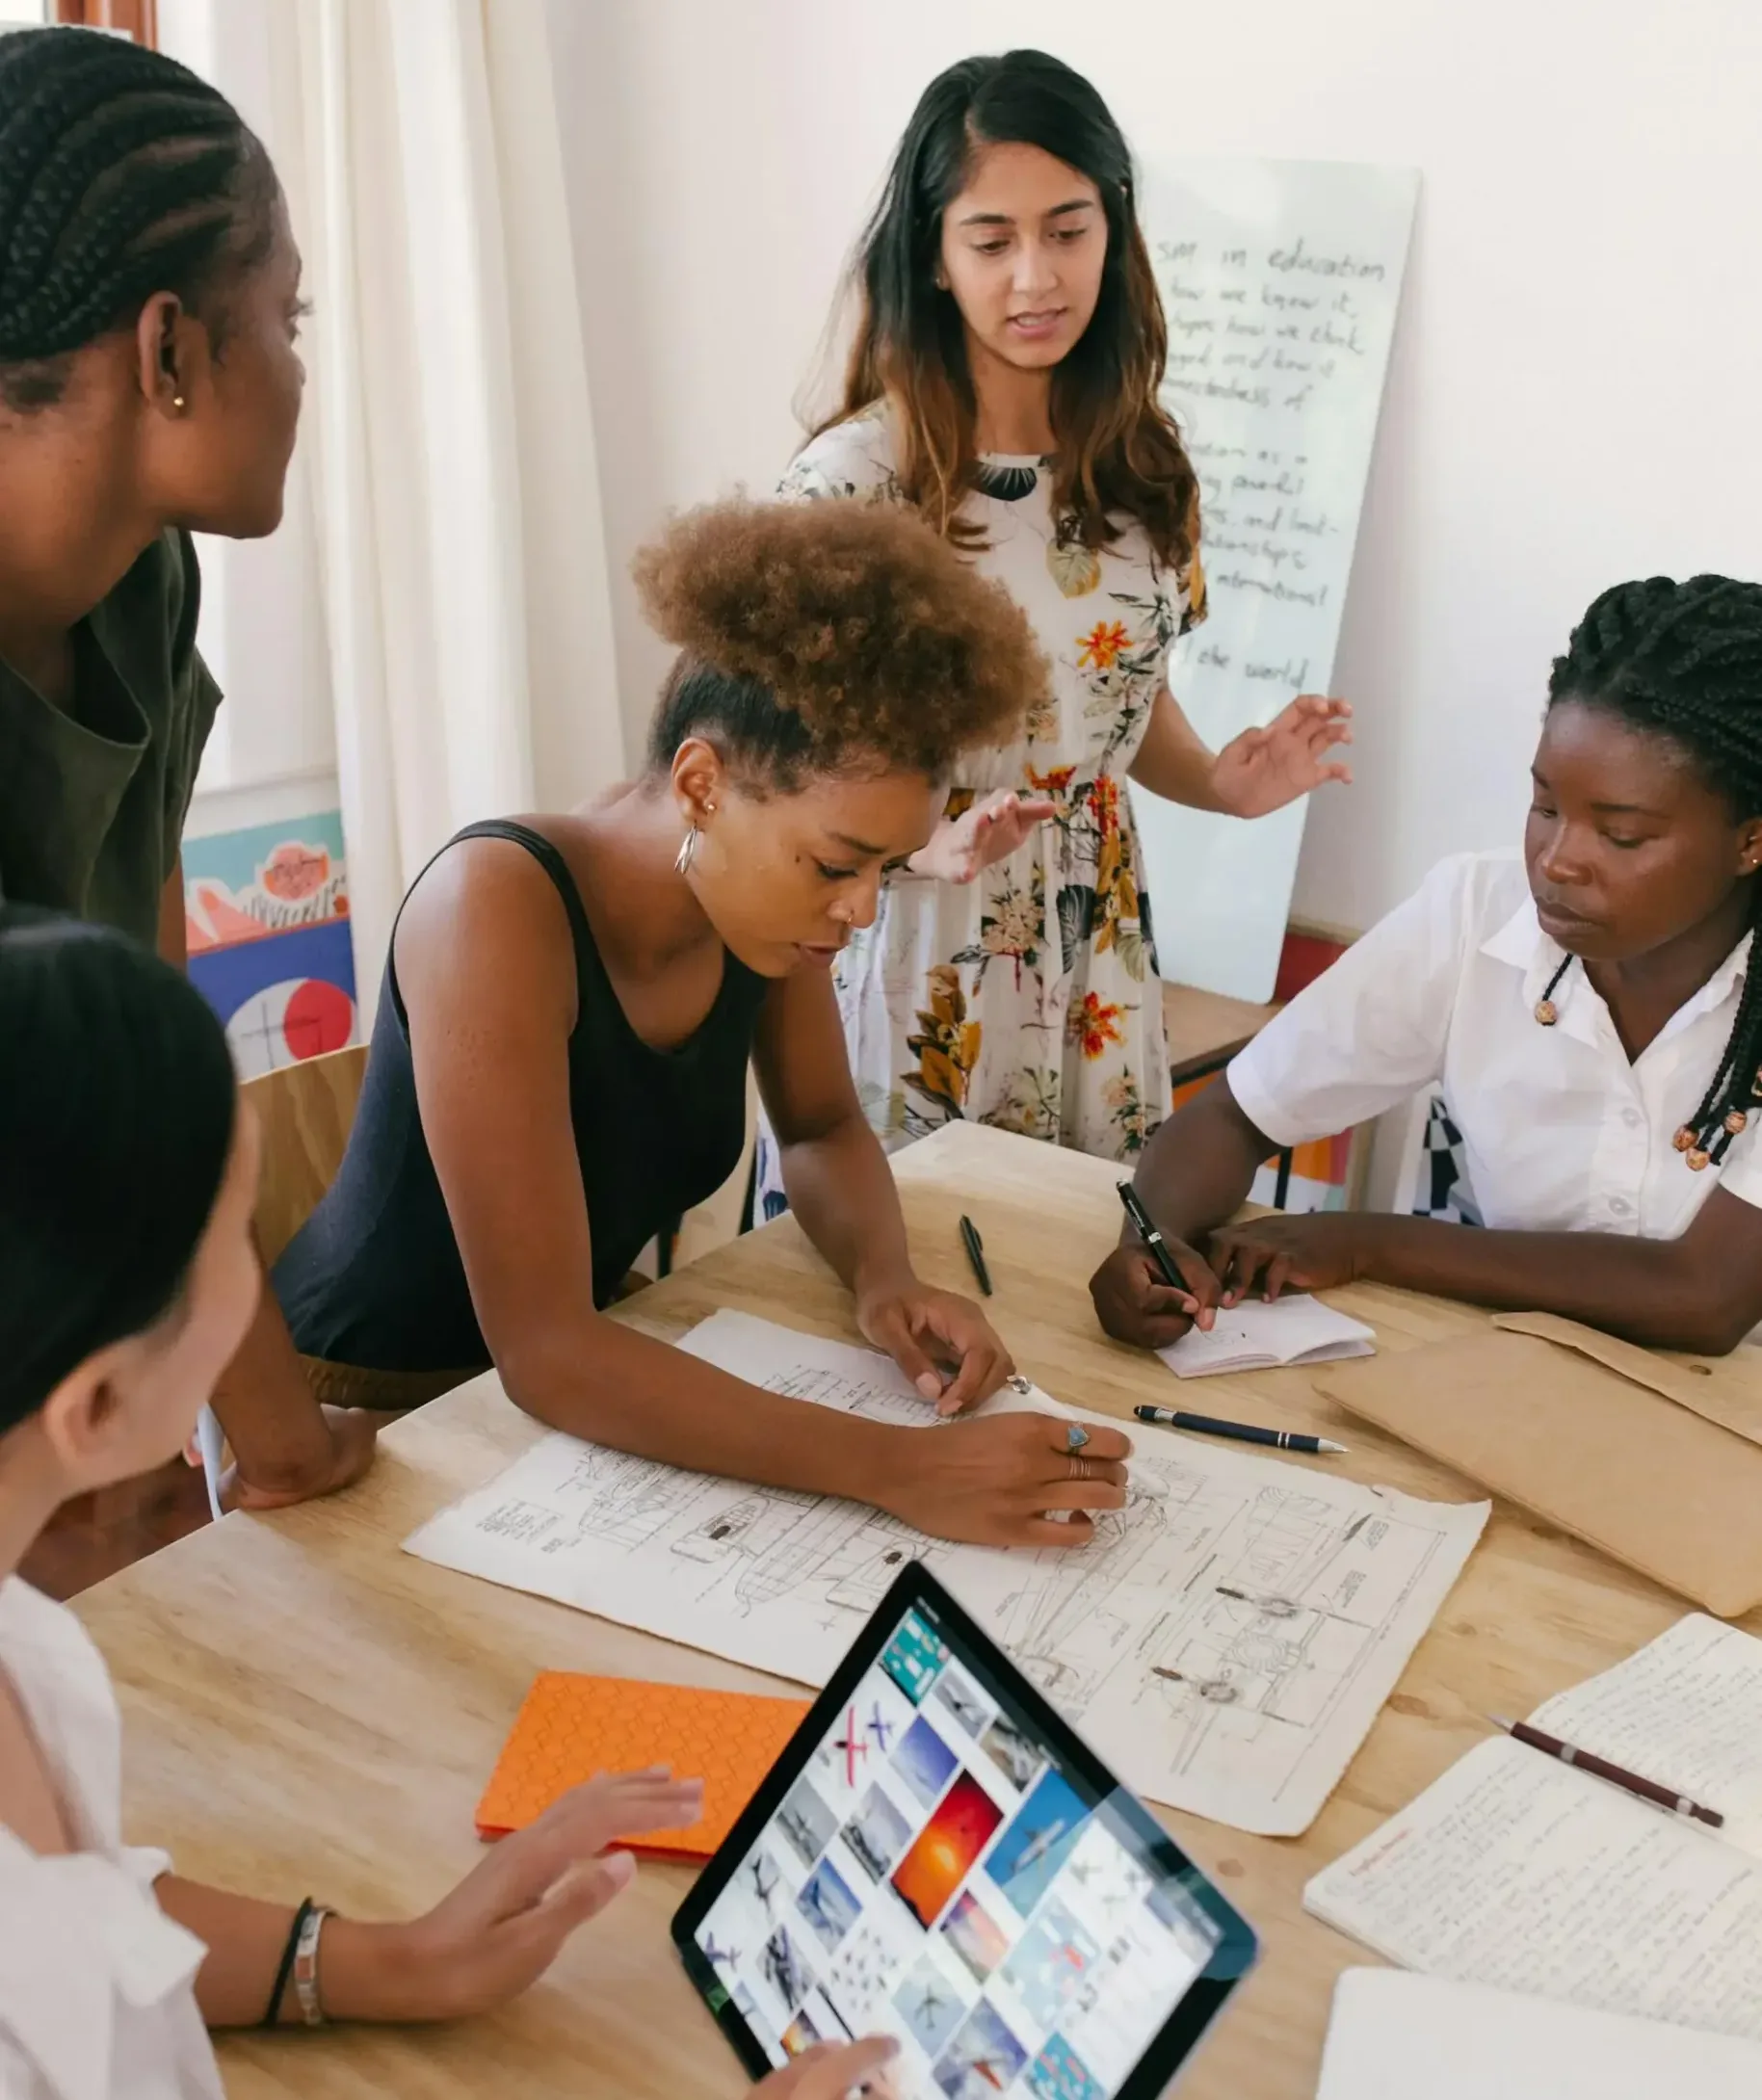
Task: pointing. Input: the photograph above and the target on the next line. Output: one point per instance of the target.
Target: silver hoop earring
(688, 850)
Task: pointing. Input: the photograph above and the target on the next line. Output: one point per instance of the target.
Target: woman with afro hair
(572, 1001)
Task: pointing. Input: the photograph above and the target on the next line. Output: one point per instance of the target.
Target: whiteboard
(1280, 280)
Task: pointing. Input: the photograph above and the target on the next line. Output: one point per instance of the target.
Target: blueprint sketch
(1226, 1641)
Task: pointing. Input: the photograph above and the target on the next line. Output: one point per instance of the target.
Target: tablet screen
(942, 1869)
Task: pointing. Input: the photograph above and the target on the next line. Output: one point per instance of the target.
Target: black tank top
(374, 1278)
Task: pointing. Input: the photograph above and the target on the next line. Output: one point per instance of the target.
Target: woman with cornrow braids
(1591, 1011)
(150, 388)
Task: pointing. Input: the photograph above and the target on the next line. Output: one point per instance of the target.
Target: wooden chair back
(306, 1112)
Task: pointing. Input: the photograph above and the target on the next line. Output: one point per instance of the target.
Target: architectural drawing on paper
(1225, 1639)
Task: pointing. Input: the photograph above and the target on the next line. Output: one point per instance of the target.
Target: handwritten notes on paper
(1687, 1710)
(1280, 282)
(1522, 1873)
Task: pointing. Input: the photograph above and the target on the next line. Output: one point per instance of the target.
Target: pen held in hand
(1145, 1228)
(1599, 1768)
(1242, 1432)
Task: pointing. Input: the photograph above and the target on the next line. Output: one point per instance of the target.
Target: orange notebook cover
(572, 1727)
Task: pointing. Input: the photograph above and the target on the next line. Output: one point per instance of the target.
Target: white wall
(1574, 396)
(262, 632)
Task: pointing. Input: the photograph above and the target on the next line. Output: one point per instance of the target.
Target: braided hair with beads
(1683, 661)
(121, 175)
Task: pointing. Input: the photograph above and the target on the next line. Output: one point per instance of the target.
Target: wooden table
(307, 1708)
(1205, 1029)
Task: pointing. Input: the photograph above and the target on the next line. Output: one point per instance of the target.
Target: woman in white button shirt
(1589, 1011)
(127, 1177)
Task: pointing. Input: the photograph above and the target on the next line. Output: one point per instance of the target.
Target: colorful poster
(266, 916)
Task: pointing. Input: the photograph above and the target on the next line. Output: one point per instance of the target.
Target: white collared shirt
(97, 1997)
(1562, 1133)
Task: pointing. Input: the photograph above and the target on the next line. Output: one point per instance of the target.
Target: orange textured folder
(572, 1727)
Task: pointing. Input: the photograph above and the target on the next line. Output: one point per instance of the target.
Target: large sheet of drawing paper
(1226, 1641)
(1281, 281)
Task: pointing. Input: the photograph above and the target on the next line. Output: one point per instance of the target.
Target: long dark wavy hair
(1118, 448)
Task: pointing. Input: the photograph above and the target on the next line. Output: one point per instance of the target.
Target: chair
(305, 1111)
(1433, 1179)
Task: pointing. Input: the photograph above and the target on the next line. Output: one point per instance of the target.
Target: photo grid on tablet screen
(934, 1875)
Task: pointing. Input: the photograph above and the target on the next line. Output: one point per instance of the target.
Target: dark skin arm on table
(840, 1187)
(1700, 1293)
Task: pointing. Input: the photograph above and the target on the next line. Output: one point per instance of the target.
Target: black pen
(1152, 1239)
(975, 1254)
(1244, 1433)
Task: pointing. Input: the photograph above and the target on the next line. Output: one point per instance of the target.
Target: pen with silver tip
(1243, 1432)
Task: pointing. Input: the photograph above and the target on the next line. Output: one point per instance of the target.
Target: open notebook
(1520, 1872)
(1258, 1336)
(1400, 2037)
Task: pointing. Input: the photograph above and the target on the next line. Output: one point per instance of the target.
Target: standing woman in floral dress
(1004, 381)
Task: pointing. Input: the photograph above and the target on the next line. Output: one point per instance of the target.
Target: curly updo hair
(121, 174)
(832, 638)
(1683, 662)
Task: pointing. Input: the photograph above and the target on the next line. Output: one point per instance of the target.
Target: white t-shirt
(1562, 1133)
(96, 1984)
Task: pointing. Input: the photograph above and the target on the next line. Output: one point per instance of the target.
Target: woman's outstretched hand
(1262, 769)
(961, 848)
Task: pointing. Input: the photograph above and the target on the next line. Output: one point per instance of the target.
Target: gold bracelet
(305, 1967)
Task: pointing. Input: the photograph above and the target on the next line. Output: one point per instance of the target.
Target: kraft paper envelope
(1724, 1389)
(1614, 1444)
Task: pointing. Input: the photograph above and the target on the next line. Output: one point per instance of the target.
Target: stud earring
(178, 403)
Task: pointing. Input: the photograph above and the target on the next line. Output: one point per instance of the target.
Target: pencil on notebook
(1630, 1782)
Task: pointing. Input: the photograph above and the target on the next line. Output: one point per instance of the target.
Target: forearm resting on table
(362, 1974)
(1646, 1291)
(1197, 1169)
(274, 1425)
(604, 1381)
(842, 1190)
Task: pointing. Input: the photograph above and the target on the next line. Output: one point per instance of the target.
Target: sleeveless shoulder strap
(550, 861)
(546, 855)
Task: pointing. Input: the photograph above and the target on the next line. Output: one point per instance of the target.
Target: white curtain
(448, 432)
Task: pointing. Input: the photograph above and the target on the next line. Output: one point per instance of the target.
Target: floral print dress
(1028, 998)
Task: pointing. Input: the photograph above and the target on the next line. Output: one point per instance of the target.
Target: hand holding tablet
(937, 1858)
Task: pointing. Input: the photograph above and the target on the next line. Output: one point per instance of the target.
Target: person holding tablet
(1591, 1013)
(936, 1854)
(1004, 384)
(127, 1177)
(560, 1064)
